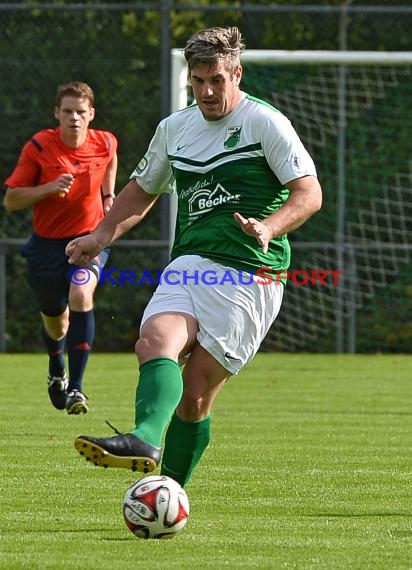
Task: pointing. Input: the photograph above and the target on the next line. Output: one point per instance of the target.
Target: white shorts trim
(234, 311)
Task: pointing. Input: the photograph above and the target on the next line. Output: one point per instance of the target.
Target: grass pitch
(309, 468)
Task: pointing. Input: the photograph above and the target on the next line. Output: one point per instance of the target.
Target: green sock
(185, 444)
(158, 393)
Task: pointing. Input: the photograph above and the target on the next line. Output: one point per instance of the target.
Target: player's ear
(56, 113)
(92, 113)
(238, 74)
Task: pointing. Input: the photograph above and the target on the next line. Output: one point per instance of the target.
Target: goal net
(352, 111)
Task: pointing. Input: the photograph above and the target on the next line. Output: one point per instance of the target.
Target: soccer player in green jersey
(243, 181)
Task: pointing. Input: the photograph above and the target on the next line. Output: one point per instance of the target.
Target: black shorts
(50, 273)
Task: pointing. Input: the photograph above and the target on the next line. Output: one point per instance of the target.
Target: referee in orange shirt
(67, 176)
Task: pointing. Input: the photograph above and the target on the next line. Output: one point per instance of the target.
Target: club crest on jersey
(232, 137)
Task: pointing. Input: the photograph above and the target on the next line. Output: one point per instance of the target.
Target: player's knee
(153, 346)
(80, 300)
(143, 350)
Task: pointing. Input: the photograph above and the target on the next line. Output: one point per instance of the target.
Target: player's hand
(107, 203)
(63, 183)
(255, 228)
(82, 249)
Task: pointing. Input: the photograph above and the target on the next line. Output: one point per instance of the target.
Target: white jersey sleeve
(154, 173)
(283, 149)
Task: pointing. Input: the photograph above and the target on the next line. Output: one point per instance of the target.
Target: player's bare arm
(108, 184)
(305, 199)
(24, 197)
(130, 207)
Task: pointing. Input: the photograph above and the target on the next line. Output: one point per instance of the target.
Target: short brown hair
(74, 89)
(212, 45)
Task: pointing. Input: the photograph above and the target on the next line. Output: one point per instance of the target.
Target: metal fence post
(341, 173)
(2, 301)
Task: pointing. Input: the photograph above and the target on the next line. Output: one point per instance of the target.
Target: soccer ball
(156, 507)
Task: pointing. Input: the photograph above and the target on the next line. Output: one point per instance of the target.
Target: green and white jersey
(241, 163)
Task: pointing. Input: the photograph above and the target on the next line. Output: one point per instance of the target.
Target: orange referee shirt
(43, 158)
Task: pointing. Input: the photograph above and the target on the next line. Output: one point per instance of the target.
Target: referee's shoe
(124, 450)
(57, 388)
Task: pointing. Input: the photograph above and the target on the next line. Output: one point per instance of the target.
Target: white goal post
(286, 57)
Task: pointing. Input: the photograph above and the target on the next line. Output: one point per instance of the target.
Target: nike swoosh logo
(180, 147)
(230, 357)
(171, 470)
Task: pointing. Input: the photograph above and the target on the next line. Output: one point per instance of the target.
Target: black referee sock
(79, 342)
(55, 350)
